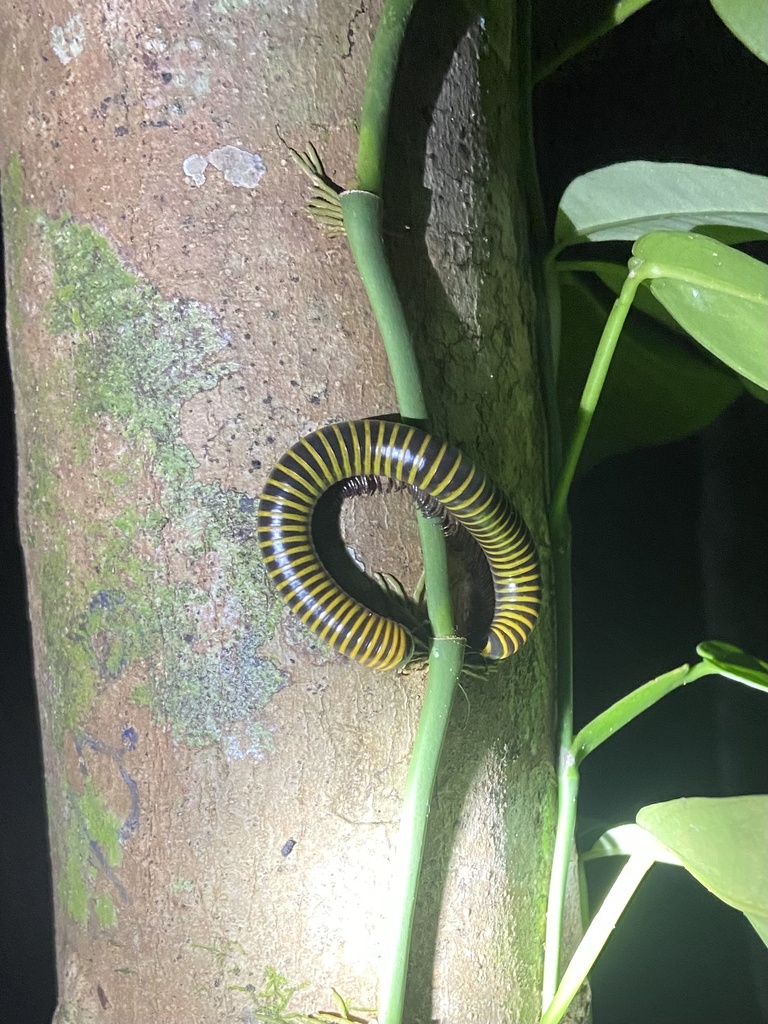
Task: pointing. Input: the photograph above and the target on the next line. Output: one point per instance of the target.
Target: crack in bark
(351, 30)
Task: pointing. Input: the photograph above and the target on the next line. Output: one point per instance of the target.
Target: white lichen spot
(201, 83)
(68, 41)
(194, 168)
(238, 166)
(155, 45)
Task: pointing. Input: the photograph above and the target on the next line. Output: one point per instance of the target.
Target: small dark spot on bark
(129, 737)
(256, 463)
(166, 77)
(294, 383)
(106, 600)
(102, 997)
(121, 130)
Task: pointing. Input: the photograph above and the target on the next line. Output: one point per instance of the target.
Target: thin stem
(362, 221)
(548, 335)
(567, 771)
(435, 555)
(568, 779)
(608, 722)
(554, 305)
(445, 663)
(597, 731)
(594, 385)
(585, 266)
(377, 96)
(598, 933)
(617, 14)
(567, 800)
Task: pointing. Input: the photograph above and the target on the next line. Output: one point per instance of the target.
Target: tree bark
(223, 792)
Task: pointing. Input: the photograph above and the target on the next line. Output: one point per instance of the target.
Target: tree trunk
(223, 792)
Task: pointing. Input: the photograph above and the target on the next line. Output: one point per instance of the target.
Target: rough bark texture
(176, 322)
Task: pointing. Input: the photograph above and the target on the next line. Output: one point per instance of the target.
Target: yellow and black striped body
(415, 459)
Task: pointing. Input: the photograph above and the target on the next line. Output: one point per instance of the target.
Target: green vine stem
(362, 212)
(618, 12)
(596, 732)
(362, 222)
(559, 525)
(445, 663)
(597, 934)
(594, 385)
(377, 95)
(608, 722)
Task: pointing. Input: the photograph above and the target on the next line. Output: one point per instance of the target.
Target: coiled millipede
(441, 478)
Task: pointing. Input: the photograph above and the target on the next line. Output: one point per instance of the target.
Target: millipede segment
(424, 464)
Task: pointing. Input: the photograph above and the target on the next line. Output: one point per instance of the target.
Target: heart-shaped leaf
(723, 842)
(734, 663)
(718, 294)
(748, 20)
(627, 200)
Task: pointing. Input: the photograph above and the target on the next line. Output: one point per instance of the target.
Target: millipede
(444, 482)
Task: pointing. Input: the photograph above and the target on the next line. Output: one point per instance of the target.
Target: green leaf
(730, 235)
(748, 20)
(754, 390)
(718, 294)
(658, 388)
(734, 663)
(722, 842)
(627, 200)
(760, 924)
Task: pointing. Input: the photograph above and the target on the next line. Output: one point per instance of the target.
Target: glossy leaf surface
(627, 200)
(721, 842)
(718, 294)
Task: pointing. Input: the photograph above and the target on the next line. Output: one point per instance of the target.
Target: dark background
(670, 548)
